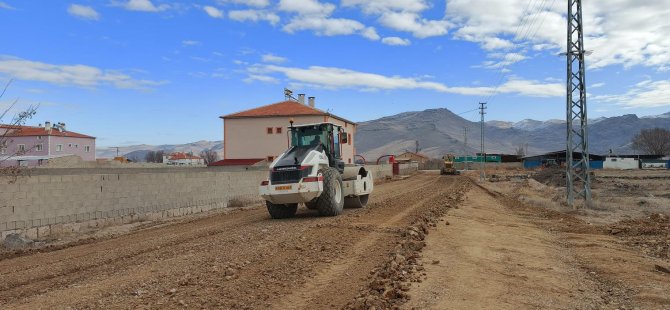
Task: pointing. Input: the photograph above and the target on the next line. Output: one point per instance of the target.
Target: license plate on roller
(283, 187)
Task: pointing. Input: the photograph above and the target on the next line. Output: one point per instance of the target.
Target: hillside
(139, 151)
(440, 131)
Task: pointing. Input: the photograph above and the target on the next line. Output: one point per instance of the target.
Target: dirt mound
(388, 284)
(651, 234)
(550, 176)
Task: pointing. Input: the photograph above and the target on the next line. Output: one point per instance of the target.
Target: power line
(527, 28)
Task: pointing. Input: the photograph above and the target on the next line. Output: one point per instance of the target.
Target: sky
(162, 71)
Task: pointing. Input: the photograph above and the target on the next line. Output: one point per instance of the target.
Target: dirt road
(397, 252)
(237, 260)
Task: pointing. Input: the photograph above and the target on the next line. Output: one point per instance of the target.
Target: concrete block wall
(409, 168)
(49, 202)
(380, 172)
(52, 203)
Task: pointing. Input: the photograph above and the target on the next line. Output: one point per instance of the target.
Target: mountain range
(138, 152)
(439, 131)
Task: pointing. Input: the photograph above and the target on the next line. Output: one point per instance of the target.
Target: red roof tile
(284, 108)
(23, 131)
(237, 162)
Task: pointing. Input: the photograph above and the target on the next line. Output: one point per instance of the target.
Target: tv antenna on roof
(288, 94)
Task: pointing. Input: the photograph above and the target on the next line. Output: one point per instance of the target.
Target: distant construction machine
(448, 166)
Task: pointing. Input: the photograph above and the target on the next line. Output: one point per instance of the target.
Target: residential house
(412, 157)
(31, 146)
(261, 134)
(183, 159)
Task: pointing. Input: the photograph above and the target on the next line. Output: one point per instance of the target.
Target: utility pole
(482, 165)
(465, 147)
(577, 170)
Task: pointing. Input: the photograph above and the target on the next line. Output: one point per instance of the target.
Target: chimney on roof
(47, 126)
(311, 101)
(62, 127)
(301, 98)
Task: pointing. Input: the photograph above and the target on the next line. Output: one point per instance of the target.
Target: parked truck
(311, 171)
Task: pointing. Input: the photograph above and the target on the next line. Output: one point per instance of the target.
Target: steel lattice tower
(577, 174)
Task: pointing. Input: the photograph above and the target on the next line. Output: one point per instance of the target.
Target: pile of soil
(651, 234)
(554, 176)
(388, 285)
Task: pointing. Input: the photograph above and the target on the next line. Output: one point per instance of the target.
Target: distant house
(31, 146)
(412, 157)
(259, 134)
(183, 159)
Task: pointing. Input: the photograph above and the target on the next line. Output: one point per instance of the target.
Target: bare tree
(154, 156)
(12, 128)
(654, 141)
(520, 152)
(209, 156)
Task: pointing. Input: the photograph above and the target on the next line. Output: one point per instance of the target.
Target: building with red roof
(183, 159)
(30, 145)
(261, 133)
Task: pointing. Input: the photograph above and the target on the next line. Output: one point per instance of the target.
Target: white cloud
(396, 41)
(273, 58)
(621, 32)
(646, 94)
(213, 12)
(502, 60)
(596, 85)
(381, 6)
(370, 33)
(403, 15)
(261, 78)
(190, 43)
(71, 75)
(254, 3)
(142, 5)
(6, 6)
(306, 7)
(82, 11)
(337, 78)
(324, 26)
(253, 16)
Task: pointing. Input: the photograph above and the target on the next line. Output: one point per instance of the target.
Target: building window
(59, 147)
(38, 147)
(76, 146)
(39, 137)
(349, 138)
(350, 160)
(269, 130)
(22, 147)
(271, 158)
(69, 145)
(3, 147)
(278, 130)
(87, 149)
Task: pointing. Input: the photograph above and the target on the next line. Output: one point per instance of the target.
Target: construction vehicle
(448, 166)
(311, 171)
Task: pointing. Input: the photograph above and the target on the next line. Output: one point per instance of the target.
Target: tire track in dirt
(312, 293)
(317, 292)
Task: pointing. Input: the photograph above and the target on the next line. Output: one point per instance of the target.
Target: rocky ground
(428, 241)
